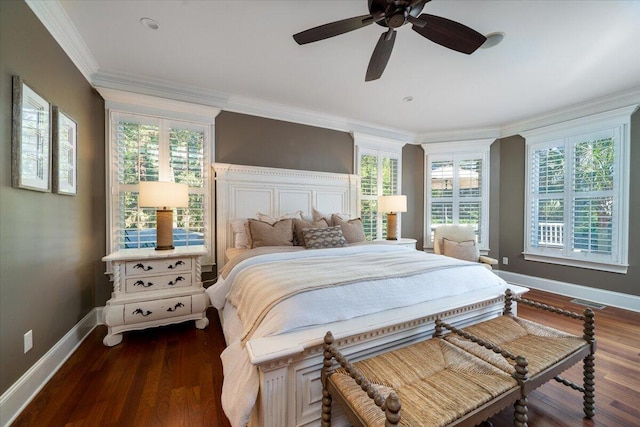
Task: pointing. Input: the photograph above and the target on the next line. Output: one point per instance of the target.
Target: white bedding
(325, 305)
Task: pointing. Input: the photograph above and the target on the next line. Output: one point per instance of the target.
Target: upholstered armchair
(459, 241)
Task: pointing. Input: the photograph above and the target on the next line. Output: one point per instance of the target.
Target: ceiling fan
(394, 14)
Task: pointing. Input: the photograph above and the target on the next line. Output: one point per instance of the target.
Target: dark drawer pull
(172, 266)
(175, 307)
(141, 283)
(142, 267)
(142, 312)
(178, 279)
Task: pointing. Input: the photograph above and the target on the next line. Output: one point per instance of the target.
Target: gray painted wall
(511, 226)
(50, 245)
(413, 188)
(249, 140)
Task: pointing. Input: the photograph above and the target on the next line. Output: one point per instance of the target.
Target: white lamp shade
(154, 194)
(392, 204)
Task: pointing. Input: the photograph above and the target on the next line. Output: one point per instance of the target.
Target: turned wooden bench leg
(326, 367)
(520, 417)
(589, 386)
(392, 410)
(589, 365)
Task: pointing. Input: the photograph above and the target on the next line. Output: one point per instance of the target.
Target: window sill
(570, 262)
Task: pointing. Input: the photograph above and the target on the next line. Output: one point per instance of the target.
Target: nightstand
(403, 241)
(155, 288)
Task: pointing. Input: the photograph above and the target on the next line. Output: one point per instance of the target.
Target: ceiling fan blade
(450, 34)
(333, 29)
(381, 55)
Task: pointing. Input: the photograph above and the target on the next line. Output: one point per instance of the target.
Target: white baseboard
(602, 296)
(17, 397)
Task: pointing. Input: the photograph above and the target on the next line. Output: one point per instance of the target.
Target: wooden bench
(461, 378)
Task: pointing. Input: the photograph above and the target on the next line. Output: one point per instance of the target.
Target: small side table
(155, 288)
(403, 241)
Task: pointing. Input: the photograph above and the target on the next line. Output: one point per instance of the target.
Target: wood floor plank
(172, 376)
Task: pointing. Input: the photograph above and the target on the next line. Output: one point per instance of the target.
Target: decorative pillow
(265, 234)
(271, 220)
(325, 237)
(352, 229)
(466, 250)
(240, 235)
(299, 225)
(316, 215)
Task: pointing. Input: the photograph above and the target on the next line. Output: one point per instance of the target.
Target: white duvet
(241, 379)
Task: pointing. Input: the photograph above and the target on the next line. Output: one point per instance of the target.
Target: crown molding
(57, 22)
(242, 104)
(458, 135)
(377, 142)
(463, 146)
(594, 106)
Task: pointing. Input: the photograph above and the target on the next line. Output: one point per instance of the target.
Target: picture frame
(30, 139)
(65, 153)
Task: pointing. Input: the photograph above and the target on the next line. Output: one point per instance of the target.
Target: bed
(274, 339)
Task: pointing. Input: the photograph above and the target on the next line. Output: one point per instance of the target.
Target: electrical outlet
(505, 260)
(28, 341)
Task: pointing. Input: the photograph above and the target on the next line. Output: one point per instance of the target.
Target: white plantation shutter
(379, 165)
(547, 195)
(457, 187)
(593, 189)
(577, 199)
(156, 149)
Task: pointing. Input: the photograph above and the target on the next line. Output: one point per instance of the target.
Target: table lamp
(163, 195)
(392, 205)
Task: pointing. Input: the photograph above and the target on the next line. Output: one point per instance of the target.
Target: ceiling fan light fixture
(493, 39)
(149, 23)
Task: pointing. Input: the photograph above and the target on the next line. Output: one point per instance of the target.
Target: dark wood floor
(172, 376)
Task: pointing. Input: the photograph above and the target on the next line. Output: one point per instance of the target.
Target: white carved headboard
(242, 191)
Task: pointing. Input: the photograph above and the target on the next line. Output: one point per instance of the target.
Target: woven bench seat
(541, 345)
(461, 378)
(548, 351)
(437, 383)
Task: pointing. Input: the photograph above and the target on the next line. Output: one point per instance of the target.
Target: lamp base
(165, 248)
(164, 231)
(392, 226)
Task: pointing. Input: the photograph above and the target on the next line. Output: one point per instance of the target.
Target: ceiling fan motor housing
(396, 12)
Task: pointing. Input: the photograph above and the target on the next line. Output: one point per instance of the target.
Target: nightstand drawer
(152, 283)
(146, 311)
(147, 267)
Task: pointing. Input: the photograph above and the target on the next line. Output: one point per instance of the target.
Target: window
(577, 192)
(154, 146)
(379, 166)
(457, 187)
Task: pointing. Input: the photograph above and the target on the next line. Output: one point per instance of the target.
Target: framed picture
(65, 154)
(30, 139)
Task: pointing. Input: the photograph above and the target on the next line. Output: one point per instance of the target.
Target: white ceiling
(556, 55)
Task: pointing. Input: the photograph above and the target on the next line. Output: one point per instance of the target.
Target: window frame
(457, 151)
(166, 112)
(381, 148)
(567, 135)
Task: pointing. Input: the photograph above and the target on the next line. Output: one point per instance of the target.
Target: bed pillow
(271, 220)
(299, 225)
(264, 234)
(325, 237)
(239, 227)
(467, 250)
(352, 229)
(316, 215)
